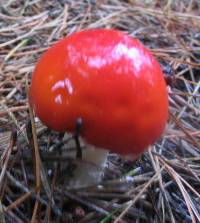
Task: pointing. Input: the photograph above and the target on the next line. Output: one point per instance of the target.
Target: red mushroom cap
(108, 79)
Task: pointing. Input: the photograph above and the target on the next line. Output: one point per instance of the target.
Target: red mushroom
(110, 81)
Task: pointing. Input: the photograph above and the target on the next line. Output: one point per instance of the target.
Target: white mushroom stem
(90, 170)
(97, 156)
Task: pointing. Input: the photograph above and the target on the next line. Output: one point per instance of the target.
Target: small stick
(37, 163)
(79, 123)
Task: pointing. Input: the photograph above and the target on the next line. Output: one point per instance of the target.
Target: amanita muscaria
(110, 81)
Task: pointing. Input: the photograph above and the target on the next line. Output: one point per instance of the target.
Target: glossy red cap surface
(111, 81)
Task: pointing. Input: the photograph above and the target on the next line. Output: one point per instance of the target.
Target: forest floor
(163, 185)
